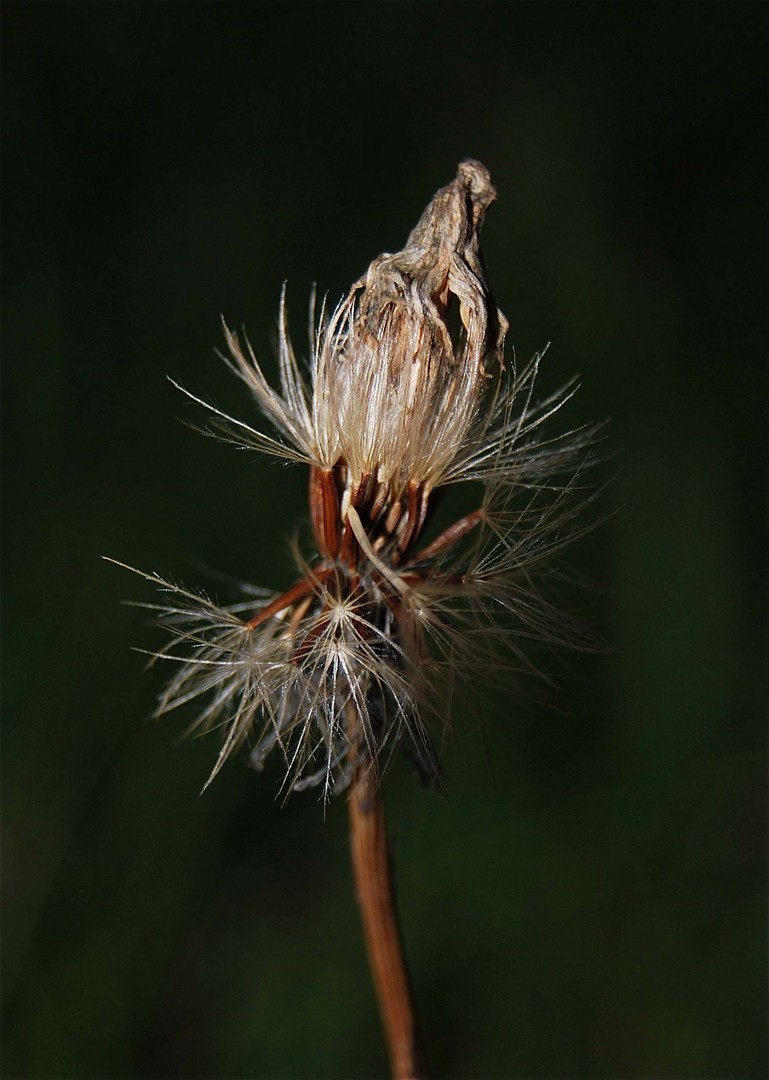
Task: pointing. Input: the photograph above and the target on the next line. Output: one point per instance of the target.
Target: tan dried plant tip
(405, 393)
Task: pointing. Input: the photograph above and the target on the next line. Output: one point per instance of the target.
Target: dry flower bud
(400, 392)
(408, 392)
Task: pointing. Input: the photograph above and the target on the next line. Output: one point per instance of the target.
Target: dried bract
(407, 393)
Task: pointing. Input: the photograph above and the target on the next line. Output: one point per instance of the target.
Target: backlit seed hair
(406, 393)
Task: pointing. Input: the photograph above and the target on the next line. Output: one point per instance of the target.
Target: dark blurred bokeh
(589, 900)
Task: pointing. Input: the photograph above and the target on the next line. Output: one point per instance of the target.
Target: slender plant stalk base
(374, 891)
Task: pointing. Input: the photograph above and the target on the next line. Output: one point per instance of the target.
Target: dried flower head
(407, 393)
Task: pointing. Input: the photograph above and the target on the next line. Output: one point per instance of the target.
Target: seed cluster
(407, 393)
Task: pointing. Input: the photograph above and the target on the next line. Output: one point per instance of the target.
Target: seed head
(407, 393)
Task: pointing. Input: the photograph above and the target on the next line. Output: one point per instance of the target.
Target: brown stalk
(375, 894)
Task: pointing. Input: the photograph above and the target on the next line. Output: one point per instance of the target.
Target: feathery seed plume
(406, 393)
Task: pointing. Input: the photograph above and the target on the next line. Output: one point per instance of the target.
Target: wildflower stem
(376, 900)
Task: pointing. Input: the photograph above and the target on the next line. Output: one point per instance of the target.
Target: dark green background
(589, 900)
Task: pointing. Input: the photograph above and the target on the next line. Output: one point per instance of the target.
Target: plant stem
(376, 901)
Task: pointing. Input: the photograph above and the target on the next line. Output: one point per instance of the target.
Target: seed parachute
(406, 393)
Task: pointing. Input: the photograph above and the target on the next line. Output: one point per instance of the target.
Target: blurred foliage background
(589, 900)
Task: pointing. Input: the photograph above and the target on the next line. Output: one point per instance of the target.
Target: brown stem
(296, 592)
(376, 901)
